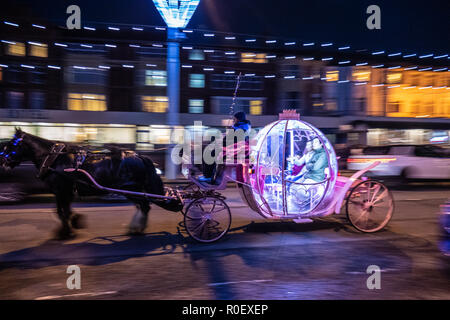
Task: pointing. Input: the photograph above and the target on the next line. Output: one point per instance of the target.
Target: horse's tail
(154, 184)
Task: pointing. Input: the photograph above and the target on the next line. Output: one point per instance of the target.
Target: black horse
(114, 169)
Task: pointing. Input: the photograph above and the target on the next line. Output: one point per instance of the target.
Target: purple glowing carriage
(291, 174)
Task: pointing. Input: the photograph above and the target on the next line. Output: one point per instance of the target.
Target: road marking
(234, 282)
(90, 294)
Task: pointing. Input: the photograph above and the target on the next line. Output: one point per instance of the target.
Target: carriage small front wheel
(369, 206)
(207, 219)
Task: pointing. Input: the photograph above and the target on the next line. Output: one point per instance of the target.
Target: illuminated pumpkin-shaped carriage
(290, 172)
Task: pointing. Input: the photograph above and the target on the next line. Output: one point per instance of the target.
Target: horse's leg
(63, 209)
(77, 220)
(139, 221)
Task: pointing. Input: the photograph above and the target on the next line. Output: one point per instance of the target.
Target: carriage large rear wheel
(369, 206)
(207, 219)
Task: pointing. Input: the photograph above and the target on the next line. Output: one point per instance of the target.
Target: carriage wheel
(369, 206)
(207, 219)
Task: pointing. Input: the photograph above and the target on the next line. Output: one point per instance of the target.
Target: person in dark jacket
(240, 122)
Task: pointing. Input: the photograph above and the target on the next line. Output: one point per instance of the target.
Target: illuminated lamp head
(176, 13)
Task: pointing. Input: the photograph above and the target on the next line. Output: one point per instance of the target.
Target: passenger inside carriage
(307, 187)
(313, 164)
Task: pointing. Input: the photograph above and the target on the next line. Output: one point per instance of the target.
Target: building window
(16, 49)
(290, 70)
(37, 100)
(196, 105)
(332, 76)
(14, 100)
(394, 77)
(37, 77)
(361, 75)
(415, 80)
(159, 134)
(1, 74)
(88, 76)
(291, 100)
(256, 107)
(248, 57)
(360, 104)
(39, 50)
(331, 105)
(393, 107)
(15, 75)
(196, 55)
(155, 104)
(156, 78)
(196, 80)
(86, 102)
(221, 105)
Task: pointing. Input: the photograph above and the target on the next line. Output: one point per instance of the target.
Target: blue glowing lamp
(176, 13)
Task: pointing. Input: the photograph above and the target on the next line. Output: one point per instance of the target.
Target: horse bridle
(4, 155)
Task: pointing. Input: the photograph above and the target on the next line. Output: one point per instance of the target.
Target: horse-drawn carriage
(289, 173)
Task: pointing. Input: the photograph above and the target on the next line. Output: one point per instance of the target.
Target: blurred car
(16, 184)
(444, 243)
(404, 163)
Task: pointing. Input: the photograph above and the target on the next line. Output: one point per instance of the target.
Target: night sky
(415, 26)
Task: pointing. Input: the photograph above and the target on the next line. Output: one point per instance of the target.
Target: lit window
(16, 49)
(196, 55)
(394, 77)
(196, 80)
(332, 76)
(256, 107)
(196, 105)
(39, 50)
(1, 74)
(86, 102)
(156, 78)
(159, 135)
(361, 75)
(155, 104)
(331, 105)
(248, 57)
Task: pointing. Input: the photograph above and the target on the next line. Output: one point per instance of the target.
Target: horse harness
(56, 150)
(80, 156)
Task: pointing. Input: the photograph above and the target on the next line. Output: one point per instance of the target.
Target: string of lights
(244, 54)
(226, 71)
(252, 39)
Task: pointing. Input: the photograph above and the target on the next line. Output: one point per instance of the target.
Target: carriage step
(304, 220)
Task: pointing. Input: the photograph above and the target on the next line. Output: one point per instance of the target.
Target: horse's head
(14, 152)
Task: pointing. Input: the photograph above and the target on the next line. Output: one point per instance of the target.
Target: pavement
(258, 259)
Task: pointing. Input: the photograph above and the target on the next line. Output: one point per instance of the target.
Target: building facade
(109, 86)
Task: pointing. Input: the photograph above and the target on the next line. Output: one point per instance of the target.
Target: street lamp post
(176, 14)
